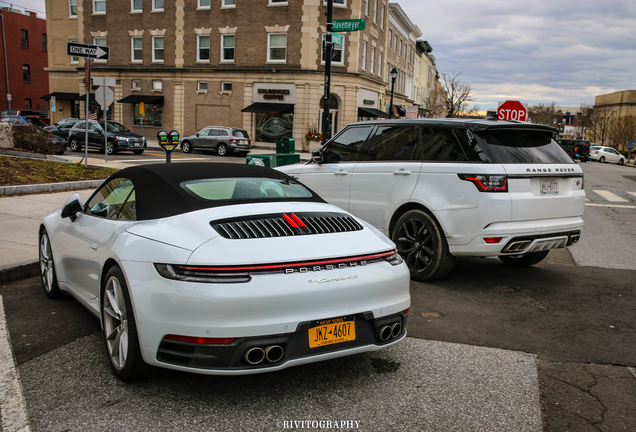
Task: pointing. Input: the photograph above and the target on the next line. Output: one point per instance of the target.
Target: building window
(229, 3)
(380, 63)
(136, 6)
(157, 49)
(277, 47)
(157, 85)
(44, 42)
(99, 6)
(278, 2)
(136, 84)
(157, 5)
(364, 55)
(99, 41)
(74, 59)
(375, 11)
(203, 48)
(366, 7)
(382, 10)
(395, 45)
(227, 48)
(204, 4)
(72, 8)
(336, 2)
(226, 86)
(202, 86)
(28, 104)
(152, 116)
(372, 60)
(136, 47)
(26, 73)
(24, 38)
(390, 38)
(336, 54)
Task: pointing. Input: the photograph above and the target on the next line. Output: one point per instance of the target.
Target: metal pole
(326, 114)
(6, 67)
(105, 120)
(88, 87)
(391, 104)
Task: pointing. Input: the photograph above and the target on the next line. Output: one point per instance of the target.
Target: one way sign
(90, 51)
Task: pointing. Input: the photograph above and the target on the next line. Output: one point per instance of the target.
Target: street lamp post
(394, 74)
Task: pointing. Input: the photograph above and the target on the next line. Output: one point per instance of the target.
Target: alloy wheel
(115, 323)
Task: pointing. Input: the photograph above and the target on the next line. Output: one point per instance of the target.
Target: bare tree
(545, 114)
(583, 122)
(457, 96)
(600, 125)
(621, 131)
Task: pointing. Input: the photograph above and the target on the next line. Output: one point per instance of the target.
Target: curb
(20, 270)
(28, 155)
(49, 187)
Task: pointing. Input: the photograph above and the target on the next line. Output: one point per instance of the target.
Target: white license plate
(137, 144)
(549, 187)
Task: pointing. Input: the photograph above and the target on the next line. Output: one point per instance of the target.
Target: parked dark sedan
(119, 138)
(62, 127)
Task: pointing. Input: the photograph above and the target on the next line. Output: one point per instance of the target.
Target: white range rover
(443, 188)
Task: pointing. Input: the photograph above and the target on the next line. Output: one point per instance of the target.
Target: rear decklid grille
(285, 224)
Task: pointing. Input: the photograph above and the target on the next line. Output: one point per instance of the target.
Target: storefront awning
(268, 107)
(371, 112)
(60, 96)
(134, 99)
(91, 97)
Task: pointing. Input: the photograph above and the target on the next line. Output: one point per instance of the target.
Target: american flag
(92, 115)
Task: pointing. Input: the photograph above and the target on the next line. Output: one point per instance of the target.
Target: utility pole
(326, 114)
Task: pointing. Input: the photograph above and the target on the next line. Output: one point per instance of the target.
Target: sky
(536, 51)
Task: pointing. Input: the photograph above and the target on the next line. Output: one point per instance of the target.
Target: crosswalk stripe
(610, 196)
(632, 193)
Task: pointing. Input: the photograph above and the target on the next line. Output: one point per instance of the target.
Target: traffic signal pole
(326, 114)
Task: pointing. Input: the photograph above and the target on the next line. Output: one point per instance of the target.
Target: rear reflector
(492, 240)
(199, 340)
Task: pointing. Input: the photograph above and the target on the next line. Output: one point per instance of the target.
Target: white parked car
(443, 188)
(605, 154)
(223, 269)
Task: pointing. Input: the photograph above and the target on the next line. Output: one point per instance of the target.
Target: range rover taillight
(487, 183)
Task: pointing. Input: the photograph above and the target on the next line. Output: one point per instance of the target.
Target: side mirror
(317, 155)
(196, 134)
(72, 206)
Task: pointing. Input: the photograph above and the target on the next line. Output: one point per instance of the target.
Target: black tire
(421, 242)
(221, 150)
(110, 148)
(74, 145)
(525, 260)
(48, 276)
(138, 152)
(583, 160)
(120, 329)
(186, 147)
(621, 161)
(602, 159)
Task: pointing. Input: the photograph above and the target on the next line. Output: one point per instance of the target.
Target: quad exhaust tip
(257, 355)
(390, 331)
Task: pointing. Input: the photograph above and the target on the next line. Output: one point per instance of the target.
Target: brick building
(24, 36)
(254, 64)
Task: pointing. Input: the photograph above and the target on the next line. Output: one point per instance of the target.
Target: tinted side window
(439, 144)
(345, 147)
(223, 132)
(240, 133)
(111, 201)
(392, 143)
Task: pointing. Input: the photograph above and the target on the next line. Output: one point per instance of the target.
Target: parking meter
(166, 143)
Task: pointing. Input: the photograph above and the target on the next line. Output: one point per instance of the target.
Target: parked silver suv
(442, 188)
(223, 140)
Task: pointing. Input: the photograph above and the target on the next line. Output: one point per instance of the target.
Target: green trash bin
(266, 160)
(286, 145)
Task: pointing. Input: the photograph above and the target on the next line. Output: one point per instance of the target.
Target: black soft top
(159, 193)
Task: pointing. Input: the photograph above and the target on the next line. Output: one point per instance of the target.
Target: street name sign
(512, 110)
(90, 51)
(348, 25)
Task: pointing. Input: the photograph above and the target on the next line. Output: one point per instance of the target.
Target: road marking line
(12, 404)
(632, 193)
(610, 196)
(611, 205)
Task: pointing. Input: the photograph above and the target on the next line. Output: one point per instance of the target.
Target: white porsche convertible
(223, 269)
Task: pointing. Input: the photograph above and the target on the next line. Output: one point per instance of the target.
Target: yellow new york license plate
(332, 331)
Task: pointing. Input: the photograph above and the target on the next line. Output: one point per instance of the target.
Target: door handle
(93, 246)
(402, 172)
(341, 172)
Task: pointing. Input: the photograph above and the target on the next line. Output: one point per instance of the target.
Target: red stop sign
(512, 110)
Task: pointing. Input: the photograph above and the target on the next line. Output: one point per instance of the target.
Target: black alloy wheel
(421, 242)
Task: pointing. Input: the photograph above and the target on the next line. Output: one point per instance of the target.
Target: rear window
(521, 146)
(245, 189)
(240, 133)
